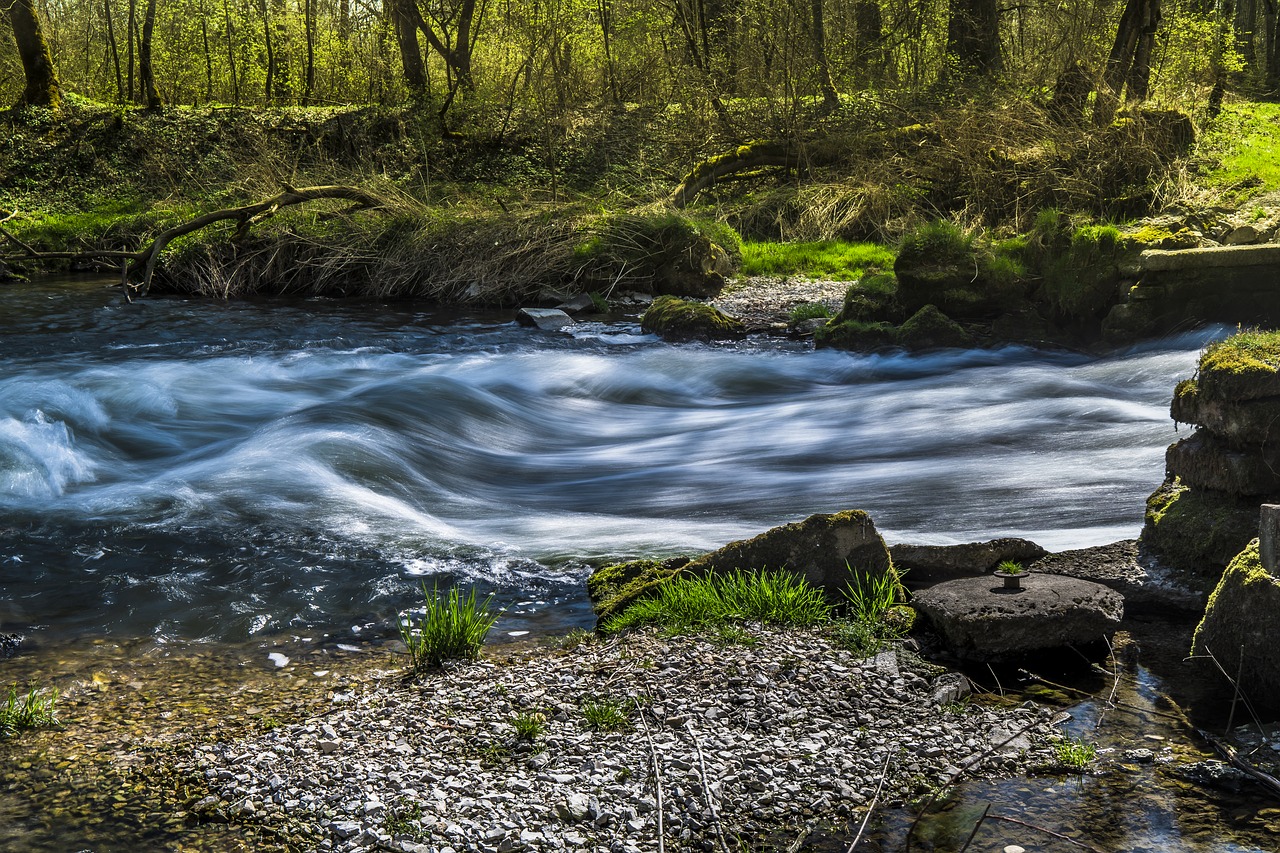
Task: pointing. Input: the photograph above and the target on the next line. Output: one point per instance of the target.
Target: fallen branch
(247, 215)
(1228, 752)
(1049, 832)
(657, 777)
(875, 798)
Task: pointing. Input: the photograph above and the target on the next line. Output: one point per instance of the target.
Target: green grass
(836, 260)
(772, 597)
(32, 710)
(529, 726)
(1239, 147)
(605, 715)
(1010, 567)
(871, 597)
(809, 311)
(450, 627)
(1075, 753)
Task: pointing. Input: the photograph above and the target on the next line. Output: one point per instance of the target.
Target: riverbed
(222, 471)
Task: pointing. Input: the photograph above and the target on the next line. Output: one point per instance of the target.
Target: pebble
(748, 739)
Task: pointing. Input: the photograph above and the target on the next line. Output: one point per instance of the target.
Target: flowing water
(207, 470)
(251, 472)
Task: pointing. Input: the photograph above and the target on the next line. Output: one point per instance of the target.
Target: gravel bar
(724, 743)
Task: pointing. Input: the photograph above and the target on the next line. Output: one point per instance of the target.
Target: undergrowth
(836, 260)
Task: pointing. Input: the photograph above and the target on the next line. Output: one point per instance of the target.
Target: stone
(1206, 462)
(979, 620)
(675, 319)
(574, 809)
(546, 319)
(925, 565)
(1243, 235)
(822, 549)
(1269, 537)
(929, 328)
(1241, 422)
(1198, 531)
(950, 687)
(578, 304)
(9, 645)
(1146, 584)
(1240, 625)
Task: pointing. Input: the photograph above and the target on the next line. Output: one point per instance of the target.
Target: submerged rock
(929, 328)
(1240, 627)
(925, 565)
(980, 620)
(1146, 585)
(546, 319)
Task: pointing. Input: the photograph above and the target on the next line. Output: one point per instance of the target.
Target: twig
(795, 846)
(971, 763)
(974, 831)
(1265, 779)
(657, 776)
(1248, 706)
(1056, 835)
(1077, 691)
(884, 771)
(706, 788)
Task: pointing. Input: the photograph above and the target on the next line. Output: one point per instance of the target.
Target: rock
(578, 304)
(574, 809)
(822, 549)
(855, 335)
(1242, 236)
(1197, 531)
(979, 620)
(939, 265)
(546, 319)
(925, 565)
(9, 645)
(950, 687)
(929, 328)
(611, 588)
(1240, 626)
(1147, 586)
(1207, 462)
(674, 319)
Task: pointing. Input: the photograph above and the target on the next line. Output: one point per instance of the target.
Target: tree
(1129, 62)
(146, 71)
(973, 36)
(42, 86)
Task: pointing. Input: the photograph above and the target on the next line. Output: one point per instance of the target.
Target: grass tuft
(834, 260)
(1075, 752)
(772, 597)
(1011, 567)
(529, 726)
(605, 715)
(450, 627)
(32, 710)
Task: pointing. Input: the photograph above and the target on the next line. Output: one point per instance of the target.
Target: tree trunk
(270, 84)
(404, 17)
(115, 51)
(1124, 64)
(131, 36)
(309, 23)
(208, 53)
(830, 97)
(146, 71)
(605, 16)
(42, 87)
(344, 21)
(1245, 20)
(868, 24)
(1139, 82)
(231, 54)
(973, 36)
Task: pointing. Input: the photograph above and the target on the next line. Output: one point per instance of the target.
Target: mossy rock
(822, 549)
(1245, 366)
(665, 253)
(1242, 424)
(1083, 282)
(1240, 626)
(940, 265)
(855, 335)
(611, 588)
(929, 328)
(675, 319)
(1204, 461)
(872, 299)
(1196, 530)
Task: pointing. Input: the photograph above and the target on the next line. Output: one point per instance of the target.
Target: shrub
(1010, 567)
(529, 726)
(870, 598)
(449, 628)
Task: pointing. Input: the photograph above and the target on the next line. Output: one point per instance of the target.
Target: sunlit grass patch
(836, 260)
(777, 597)
(450, 627)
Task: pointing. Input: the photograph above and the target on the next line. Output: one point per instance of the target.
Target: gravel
(745, 739)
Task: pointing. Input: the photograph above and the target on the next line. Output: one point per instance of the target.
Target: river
(204, 470)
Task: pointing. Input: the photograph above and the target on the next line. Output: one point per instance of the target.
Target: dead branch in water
(246, 216)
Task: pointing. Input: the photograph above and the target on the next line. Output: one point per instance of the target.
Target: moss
(1197, 530)
(1083, 282)
(1147, 237)
(1245, 366)
(1239, 625)
(1183, 408)
(929, 328)
(855, 335)
(675, 319)
(873, 298)
(938, 264)
(614, 587)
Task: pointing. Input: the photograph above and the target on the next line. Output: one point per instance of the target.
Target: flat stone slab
(546, 319)
(1155, 260)
(980, 620)
(926, 565)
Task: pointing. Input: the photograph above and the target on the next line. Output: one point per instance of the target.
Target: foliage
(605, 715)
(834, 260)
(775, 597)
(576, 637)
(450, 627)
(936, 243)
(529, 726)
(404, 818)
(32, 710)
(1081, 282)
(1074, 752)
(809, 311)
(869, 596)
(1010, 567)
